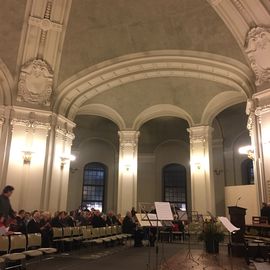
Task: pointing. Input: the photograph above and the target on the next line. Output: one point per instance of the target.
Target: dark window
(174, 185)
(94, 186)
(247, 172)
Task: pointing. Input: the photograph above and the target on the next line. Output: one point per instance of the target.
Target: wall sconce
(218, 171)
(247, 150)
(127, 167)
(198, 165)
(27, 156)
(65, 158)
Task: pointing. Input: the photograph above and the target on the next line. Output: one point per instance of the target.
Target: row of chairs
(16, 248)
(89, 235)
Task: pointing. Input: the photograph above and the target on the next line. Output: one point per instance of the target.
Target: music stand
(231, 229)
(148, 219)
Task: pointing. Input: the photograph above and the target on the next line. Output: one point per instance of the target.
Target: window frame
(184, 172)
(104, 169)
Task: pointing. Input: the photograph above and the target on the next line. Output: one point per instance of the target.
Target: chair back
(109, 230)
(33, 240)
(67, 231)
(4, 244)
(57, 232)
(114, 229)
(119, 229)
(76, 231)
(102, 231)
(95, 233)
(17, 242)
(256, 220)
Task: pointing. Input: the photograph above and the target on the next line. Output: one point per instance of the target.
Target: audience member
(34, 224)
(5, 206)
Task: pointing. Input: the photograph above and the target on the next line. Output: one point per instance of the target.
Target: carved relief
(258, 51)
(35, 83)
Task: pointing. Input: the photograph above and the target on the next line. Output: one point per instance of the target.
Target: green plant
(212, 230)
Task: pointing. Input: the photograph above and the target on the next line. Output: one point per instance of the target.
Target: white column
(57, 185)
(258, 108)
(127, 175)
(202, 184)
(259, 127)
(25, 166)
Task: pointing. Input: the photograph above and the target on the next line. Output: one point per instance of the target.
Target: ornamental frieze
(258, 51)
(35, 83)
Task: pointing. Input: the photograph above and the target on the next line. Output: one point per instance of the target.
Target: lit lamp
(27, 156)
(65, 158)
(247, 150)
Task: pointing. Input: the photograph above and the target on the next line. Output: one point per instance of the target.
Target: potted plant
(212, 234)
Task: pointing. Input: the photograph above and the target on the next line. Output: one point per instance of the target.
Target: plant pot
(212, 246)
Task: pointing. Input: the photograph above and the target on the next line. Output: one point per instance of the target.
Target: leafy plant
(212, 230)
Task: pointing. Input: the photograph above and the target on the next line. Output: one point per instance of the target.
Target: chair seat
(14, 256)
(48, 250)
(77, 238)
(33, 253)
(97, 241)
(67, 239)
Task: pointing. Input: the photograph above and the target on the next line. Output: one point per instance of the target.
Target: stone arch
(219, 103)
(103, 111)
(75, 91)
(159, 111)
(6, 84)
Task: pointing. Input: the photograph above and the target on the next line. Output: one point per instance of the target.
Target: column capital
(199, 134)
(128, 137)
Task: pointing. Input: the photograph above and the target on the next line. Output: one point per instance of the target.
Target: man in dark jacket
(5, 206)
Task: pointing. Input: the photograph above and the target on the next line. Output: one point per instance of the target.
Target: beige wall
(150, 169)
(248, 199)
(93, 150)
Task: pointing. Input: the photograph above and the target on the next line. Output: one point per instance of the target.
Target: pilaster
(127, 175)
(202, 184)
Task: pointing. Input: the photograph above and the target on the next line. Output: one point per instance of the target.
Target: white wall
(248, 200)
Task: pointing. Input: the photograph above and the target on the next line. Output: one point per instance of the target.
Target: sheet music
(164, 211)
(144, 222)
(228, 225)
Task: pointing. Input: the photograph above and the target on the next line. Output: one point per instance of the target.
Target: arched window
(247, 172)
(94, 179)
(175, 185)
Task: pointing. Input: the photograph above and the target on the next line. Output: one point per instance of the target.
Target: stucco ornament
(258, 51)
(35, 83)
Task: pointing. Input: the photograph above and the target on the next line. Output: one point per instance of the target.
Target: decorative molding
(258, 51)
(128, 140)
(35, 83)
(45, 24)
(33, 124)
(199, 134)
(262, 110)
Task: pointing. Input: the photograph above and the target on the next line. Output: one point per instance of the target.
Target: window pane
(174, 176)
(93, 188)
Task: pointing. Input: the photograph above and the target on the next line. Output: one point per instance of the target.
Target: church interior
(109, 105)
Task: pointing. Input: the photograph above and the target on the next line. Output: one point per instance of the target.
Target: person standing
(5, 206)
